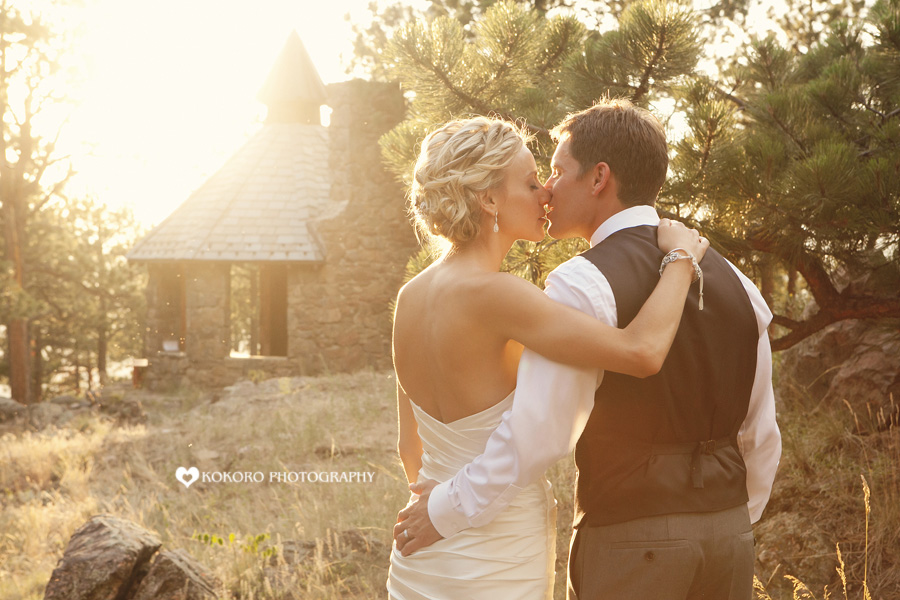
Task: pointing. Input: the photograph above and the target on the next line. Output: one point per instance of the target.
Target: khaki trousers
(668, 557)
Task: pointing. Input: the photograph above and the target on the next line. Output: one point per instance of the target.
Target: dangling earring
(496, 226)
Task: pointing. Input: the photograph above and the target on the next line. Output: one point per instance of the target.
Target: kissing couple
(662, 387)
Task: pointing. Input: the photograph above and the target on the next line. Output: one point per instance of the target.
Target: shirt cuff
(444, 516)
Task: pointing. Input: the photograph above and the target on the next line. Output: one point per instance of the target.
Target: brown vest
(668, 443)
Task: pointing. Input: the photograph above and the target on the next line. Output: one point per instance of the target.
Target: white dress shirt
(553, 402)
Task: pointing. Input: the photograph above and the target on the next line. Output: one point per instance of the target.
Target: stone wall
(340, 312)
(207, 334)
(208, 296)
(170, 371)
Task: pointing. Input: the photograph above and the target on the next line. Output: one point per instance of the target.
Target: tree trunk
(17, 331)
(37, 382)
(89, 370)
(77, 360)
(102, 344)
(17, 328)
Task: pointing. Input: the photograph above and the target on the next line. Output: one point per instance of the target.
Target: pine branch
(786, 322)
(473, 102)
(707, 148)
(812, 270)
(551, 60)
(54, 191)
(730, 97)
(784, 128)
(852, 308)
(566, 39)
(644, 86)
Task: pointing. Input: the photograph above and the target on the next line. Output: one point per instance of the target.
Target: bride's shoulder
(504, 287)
(419, 282)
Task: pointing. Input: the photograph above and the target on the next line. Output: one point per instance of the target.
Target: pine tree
(787, 159)
(372, 35)
(29, 68)
(89, 299)
(796, 171)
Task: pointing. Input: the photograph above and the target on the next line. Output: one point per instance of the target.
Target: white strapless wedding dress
(513, 557)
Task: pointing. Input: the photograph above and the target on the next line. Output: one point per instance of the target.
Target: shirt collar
(634, 216)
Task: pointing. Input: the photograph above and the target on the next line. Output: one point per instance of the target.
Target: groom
(672, 469)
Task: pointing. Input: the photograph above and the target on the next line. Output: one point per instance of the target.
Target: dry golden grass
(833, 523)
(278, 541)
(53, 480)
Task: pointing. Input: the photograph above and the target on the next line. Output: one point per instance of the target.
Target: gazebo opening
(259, 305)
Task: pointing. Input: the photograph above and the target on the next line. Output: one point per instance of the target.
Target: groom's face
(573, 204)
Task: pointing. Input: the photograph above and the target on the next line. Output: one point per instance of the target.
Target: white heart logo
(187, 476)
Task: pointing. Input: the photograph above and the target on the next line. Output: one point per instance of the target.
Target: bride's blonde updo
(457, 164)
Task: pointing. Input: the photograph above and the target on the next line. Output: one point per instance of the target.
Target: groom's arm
(759, 438)
(550, 409)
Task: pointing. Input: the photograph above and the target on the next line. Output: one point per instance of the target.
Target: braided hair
(457, 164)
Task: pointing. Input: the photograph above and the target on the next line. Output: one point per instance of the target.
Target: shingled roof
(261, 204)
(258, 207)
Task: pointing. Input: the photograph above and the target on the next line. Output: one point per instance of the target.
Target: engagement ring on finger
(406, 533)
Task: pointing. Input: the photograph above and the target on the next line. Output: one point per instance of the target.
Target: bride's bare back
(449, 360)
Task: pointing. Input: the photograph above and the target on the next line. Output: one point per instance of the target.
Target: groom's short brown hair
(627, 138)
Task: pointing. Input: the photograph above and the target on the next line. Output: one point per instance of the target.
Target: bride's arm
(409, 444)
(566, 335)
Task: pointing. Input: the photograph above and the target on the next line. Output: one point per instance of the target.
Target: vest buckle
(707, 447)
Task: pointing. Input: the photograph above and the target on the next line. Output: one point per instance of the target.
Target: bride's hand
(675, 234)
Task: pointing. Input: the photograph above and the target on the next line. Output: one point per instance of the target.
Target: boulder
(174, 575)
(853, 361)
(102, 561)
(126, 411)
(65, 400)
(45, 414)
(10, 409)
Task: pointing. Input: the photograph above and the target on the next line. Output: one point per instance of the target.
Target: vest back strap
(695, 449)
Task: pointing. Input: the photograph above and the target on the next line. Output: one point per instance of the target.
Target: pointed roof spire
(293, 91)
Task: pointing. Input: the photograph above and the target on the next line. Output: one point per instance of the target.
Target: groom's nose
(546, 197)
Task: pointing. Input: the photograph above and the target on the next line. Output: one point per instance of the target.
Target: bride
(459, 330)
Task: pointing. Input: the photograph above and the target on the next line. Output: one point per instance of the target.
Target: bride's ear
(488, 201)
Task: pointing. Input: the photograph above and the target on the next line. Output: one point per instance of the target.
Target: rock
(65, 400)
(102, 561)
(44, 414)
(10, 409)
(853, 361)
(127, 411)
(294, 552)
(176, 576)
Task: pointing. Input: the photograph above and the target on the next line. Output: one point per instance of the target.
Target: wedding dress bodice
(512, 557)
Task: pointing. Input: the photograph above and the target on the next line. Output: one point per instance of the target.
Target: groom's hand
(414, 529)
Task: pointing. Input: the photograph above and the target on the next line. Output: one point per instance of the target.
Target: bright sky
(169, 89)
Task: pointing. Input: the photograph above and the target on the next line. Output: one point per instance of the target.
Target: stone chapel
(304, 222)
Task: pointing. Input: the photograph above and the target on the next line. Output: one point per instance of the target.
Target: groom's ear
(600, 175)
